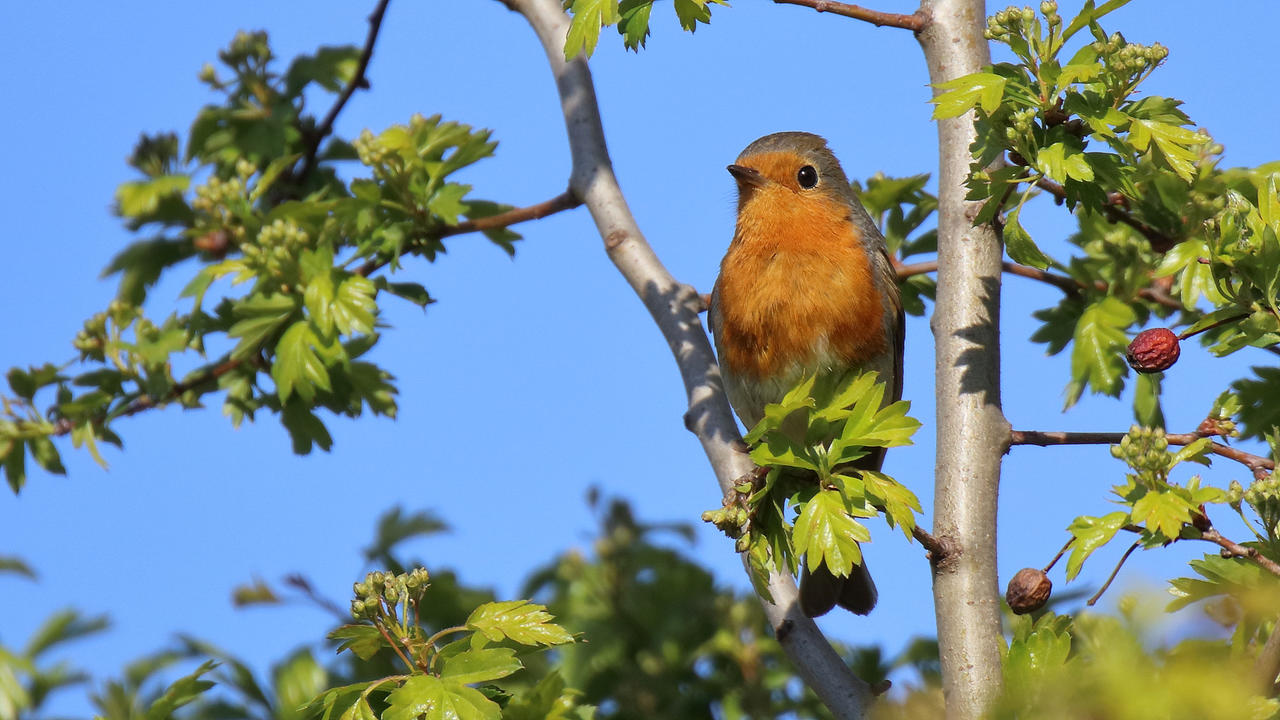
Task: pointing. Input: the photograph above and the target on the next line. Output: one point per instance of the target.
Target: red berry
(1153, 350)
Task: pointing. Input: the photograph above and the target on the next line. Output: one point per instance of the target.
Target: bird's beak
(747, 176)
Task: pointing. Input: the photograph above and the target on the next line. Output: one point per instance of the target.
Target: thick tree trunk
(972, 431)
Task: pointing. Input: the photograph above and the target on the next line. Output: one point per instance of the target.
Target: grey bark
(972, 432)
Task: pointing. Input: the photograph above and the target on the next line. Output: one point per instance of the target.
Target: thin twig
(1258, 465)
(1066, 546)
(564, 201)
(1066, 284)
(1224, 321)
(1114, 573)
(914, 22)
(358, 80)
(1241, 551)
(1160, 242)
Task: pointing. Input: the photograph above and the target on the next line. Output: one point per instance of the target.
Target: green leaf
(584, 30)
(1163, 511)
(332, 68)
(305, 429)
(1021, 248)
(354, 308)
(61, 627)
(363, 640)
(46, 455)
(899, 503)
(827, 532)
(181, 692)
(15, 565)
(964, 93)
(394, 527)
(633, 22)
(297, 366)
(254, 593)
(1173, 142)
(262, 315)
(1091, 533)
(297, 680)
(1097, 356)
(473, 666)
(426, 697)
(142, 197)
(520, 620)
(1146, 401)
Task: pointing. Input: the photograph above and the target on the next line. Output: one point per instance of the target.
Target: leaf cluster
(818, 448)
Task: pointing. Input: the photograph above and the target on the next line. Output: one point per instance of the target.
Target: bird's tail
(820, 590)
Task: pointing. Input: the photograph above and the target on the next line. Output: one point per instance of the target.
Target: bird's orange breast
(796, 289)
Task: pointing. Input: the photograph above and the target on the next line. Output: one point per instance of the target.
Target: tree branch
(674, 308)
(914, 22)
(1258, 465)
(358, 80)
(1160, 242)
(564, 201)
(1064, 283)
(1241, 551)
(971, 428)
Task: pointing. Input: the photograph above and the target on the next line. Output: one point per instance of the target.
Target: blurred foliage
(633, 658)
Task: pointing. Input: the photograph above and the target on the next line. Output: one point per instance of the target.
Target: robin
(806, 287)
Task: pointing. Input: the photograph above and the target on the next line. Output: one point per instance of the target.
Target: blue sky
(533, 379)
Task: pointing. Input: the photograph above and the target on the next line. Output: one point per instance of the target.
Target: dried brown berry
(1028, 591)
(1153, 350)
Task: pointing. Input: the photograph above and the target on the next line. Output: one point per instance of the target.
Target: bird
(806, 287)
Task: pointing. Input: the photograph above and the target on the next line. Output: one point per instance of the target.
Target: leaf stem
(1114, 572)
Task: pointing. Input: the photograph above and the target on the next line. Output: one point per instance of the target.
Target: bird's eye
(807, 177)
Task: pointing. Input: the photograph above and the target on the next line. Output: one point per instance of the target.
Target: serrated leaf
(1162, 511)
(899, 503)
(473, 666)
(520, 620)
(297, 367)
(962, 94)
(1097, 354)
(827, 533)
(363, 640)
(1091, 533)
(354, 307)
(426, 697)
(584, 29)
(633, 22)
